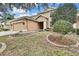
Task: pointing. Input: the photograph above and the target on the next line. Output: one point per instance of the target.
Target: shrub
(62, 26)
(5, 29)
(76, 31)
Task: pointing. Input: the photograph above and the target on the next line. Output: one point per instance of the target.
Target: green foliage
(66, 12)
(62, 26)
(76, 31)
(7, 16)
(5, 29)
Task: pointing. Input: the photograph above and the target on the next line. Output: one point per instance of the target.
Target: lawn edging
(59, 45)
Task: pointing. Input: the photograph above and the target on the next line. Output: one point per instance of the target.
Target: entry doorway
(40, 25)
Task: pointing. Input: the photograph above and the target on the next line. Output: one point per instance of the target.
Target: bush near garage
(62, 26)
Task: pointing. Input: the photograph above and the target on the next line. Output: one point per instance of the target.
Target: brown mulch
(61, 39)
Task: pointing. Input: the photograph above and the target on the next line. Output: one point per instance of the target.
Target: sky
(33, 11)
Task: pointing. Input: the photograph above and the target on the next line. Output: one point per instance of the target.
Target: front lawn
(33, 45)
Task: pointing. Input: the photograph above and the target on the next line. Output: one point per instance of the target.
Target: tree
(7, 16)
(65, 12)
(25, 6)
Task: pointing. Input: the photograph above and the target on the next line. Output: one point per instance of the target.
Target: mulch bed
(60, 39)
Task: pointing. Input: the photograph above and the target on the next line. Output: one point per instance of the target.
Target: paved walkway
(7, 33)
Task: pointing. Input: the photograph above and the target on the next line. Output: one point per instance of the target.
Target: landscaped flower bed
(62, 40)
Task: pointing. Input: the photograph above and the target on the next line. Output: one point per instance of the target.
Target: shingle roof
(47, 10)
(41, 16)
(21, 18)
(32, 18)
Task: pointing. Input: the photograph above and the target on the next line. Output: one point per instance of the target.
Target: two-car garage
(26, 25)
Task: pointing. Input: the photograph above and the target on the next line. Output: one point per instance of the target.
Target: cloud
(34, 13)
(20, 15)
(1, 13)
(30, 13)
(23, 15)
(22, 12)
(0, 17)
(15, 10)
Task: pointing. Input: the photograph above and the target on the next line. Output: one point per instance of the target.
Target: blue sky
(33, 11)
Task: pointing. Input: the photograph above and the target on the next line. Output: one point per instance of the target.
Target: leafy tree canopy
(7, 16)
(65, 12)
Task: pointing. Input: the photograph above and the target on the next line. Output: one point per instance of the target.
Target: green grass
(34, 45)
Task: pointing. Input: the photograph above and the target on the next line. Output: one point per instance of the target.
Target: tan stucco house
(31, 23)
(36, 22)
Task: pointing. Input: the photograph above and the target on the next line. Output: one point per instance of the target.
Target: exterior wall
(77, 22)
(44, 20)
(32, 26)
(28, 25)
(47, 14)
(34, 17)
(19, 25)
(41, 19)
(44, 25)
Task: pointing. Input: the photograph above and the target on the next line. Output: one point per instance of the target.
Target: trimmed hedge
(62, 26)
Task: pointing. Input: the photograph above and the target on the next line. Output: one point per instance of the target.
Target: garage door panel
(18, 26)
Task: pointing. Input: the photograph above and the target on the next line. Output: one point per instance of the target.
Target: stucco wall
(77, 22)
(33, 26)
(28, 25)
(19, 25)
(41, 19)
(44, 20)
(47, 14)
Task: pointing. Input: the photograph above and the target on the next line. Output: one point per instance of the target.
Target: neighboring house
(77, 21)
(4, 26)
(26, 23)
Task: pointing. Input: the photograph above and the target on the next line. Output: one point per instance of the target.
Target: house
(31, 23)
(36, 22)
(77, 21)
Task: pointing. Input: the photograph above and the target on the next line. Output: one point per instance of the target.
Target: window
(23, 23)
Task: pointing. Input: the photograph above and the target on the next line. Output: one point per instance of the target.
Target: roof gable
(33, 18)
(47, 10)
(41, 16)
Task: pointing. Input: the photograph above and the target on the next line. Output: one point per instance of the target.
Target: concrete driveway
(7, 33)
